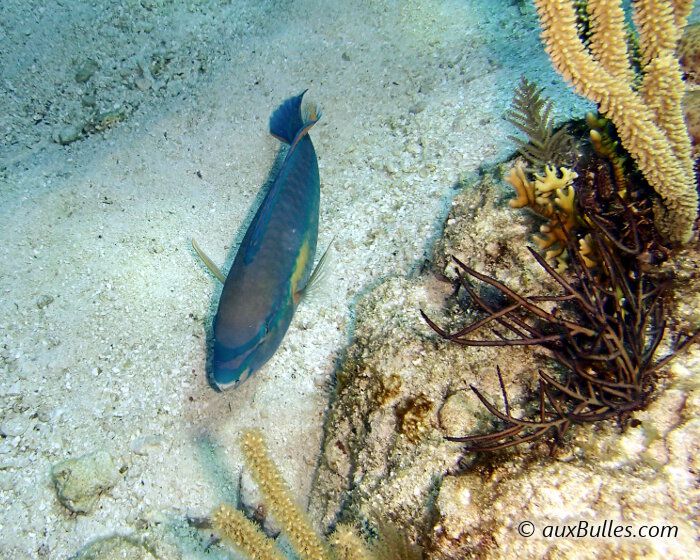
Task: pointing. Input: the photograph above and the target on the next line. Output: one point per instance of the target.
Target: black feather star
(602, 334)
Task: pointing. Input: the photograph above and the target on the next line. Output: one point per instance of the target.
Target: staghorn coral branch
(649, 120)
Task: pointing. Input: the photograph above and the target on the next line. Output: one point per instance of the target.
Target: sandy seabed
(104, 308)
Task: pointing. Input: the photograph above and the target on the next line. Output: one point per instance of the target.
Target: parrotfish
(272, 269)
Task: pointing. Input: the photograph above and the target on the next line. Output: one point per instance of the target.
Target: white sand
(102, 225)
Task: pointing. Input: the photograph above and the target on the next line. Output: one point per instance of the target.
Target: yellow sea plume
(234, 527)
(291, 518)
(648, 117)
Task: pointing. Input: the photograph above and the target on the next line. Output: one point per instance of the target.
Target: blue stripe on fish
(273, 264)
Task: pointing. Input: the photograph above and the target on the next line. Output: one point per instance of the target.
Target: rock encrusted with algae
(642, 480)
(384, 450)
(472, 507)
(161, 537)
(396, 391)
(124, 548)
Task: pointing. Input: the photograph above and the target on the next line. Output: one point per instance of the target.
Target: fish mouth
(229, 373)
(228, 379)
(232, 366)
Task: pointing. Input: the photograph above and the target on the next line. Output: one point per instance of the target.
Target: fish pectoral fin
(318, 276)
(208, 262)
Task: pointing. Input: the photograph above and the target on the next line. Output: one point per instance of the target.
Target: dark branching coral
(602, 333)
(531, 114)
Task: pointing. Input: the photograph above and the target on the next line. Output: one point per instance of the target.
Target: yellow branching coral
(236, 528)
(550, 183)
(606, 147)
(649, 118)
(524, 188)
(538, 195)
(551, 196)
(289, 515)
(588, 252)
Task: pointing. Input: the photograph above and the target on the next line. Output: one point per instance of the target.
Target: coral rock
(80, 482)
(691, 111)
(689, 53)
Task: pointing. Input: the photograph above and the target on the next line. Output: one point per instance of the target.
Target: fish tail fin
(288, 120)
(311, 113)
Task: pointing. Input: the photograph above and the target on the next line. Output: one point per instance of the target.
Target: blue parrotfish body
(274, 261)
